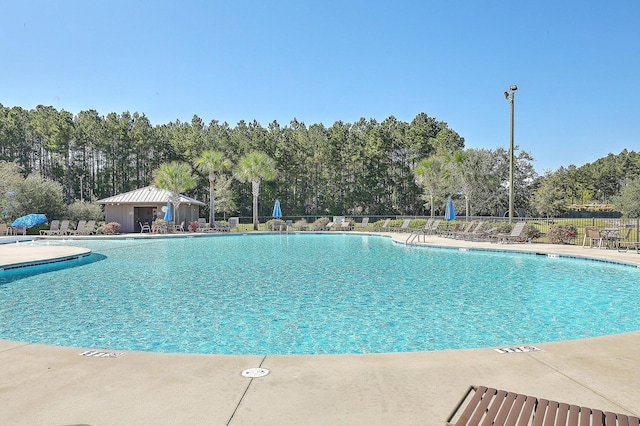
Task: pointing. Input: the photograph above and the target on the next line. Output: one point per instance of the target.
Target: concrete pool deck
(51, 385)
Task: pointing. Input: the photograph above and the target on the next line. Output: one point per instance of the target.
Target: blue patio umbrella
(168, 216)
(30, 220)
(449, 211)
(277, 212)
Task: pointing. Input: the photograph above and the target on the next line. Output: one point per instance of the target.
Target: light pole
(509, 96)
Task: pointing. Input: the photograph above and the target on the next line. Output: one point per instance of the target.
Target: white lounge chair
(54, 228)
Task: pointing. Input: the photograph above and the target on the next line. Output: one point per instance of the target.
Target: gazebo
(145, 205)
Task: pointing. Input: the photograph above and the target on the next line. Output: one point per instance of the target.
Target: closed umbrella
(277, 212)
(30, 220)
(449, 211)
(168, 216)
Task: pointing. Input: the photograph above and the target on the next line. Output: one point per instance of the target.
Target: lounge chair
(592, 234)
(405, 225)
(488, 406)
(219, 227)
(233, 223)
(329, 226)
(465, 230)
(365, 222)
(54, 228)
(472, 234)
(203, 226)
(80, 227)
(346, 226)
(64, 228)
(516, 234)
(384, 226)
(434, 227)
(90, 229)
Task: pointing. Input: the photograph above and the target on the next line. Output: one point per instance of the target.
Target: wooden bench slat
(471, 405)
(482, 406)
(527, 411)
(574, 412)
(550, 415)
(539, 414)
(563, 413)
(493, 409)
(623, 420)
(509, 402)
(516, 409)
(597, 417)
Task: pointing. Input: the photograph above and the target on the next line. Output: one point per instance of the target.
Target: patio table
(611, 237)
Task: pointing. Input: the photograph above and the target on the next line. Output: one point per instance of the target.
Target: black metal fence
(544, 225)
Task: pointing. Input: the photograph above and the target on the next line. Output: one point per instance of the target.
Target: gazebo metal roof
(147, 195)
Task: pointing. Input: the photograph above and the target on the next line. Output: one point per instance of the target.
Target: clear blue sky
(576, 63)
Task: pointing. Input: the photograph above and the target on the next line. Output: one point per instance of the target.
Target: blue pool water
(310, 294)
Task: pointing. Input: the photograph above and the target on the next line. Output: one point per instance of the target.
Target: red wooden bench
(487, 406)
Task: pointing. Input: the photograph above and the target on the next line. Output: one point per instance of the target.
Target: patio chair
(4, 229)
(179, 227)
(219, 227)
(471, 233)
(465, 230)
(80, 227)
(592, 233)
(434, 229)
(516, 234)
(625, 242)
(90, 229)
(20, 229)
(404, 226)
(487, 406)
(64, 228)
(233, 223)
(144, 227)
(203, 226)
(54, 228)
(384, 226)
(346, 225)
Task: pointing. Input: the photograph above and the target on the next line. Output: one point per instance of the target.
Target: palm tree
(212, 162)
(174, 177)
(255, 167)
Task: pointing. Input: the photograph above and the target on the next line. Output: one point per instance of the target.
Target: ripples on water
(310, 294)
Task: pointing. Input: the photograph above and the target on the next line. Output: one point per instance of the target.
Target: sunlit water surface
(310, 294)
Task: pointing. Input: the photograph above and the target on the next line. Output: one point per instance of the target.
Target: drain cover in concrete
(518, 350)
(100, 354)
(255, 372)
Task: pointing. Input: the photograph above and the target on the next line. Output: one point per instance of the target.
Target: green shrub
(82, 210)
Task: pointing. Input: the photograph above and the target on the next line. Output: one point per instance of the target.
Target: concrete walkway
(46, 385)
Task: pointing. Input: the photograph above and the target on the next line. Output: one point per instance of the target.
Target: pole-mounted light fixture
(509, 96)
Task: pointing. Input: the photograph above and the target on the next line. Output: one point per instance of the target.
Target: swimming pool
(310, 294)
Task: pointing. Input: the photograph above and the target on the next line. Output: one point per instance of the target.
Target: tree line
(368, 167)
